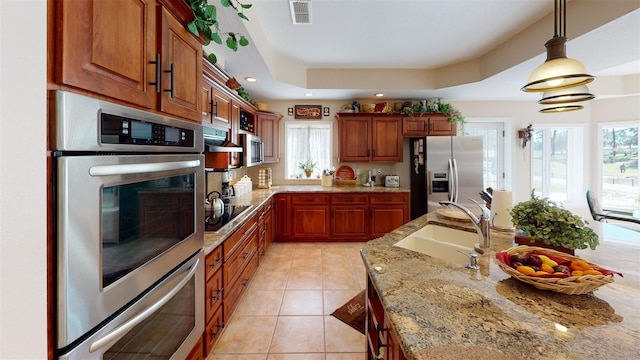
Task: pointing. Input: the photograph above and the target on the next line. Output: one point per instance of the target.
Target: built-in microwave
(252, 149)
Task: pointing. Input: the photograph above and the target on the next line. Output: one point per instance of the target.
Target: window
(307, 140)
(557, 160)
(619, 166)
(493, 148)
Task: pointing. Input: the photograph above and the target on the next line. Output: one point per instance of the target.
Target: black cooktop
(213, 223)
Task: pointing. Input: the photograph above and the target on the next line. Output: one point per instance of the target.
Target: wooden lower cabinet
(214, 288)
(339, 217)
(379, 333)
(196, 353)
(265, 228)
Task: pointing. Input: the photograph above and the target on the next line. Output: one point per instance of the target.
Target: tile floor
(286, 312)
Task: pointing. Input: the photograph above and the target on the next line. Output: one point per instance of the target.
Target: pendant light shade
(566, 95)
(558, 71)
(560, 108)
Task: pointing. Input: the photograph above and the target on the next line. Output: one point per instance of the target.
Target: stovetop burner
(213, 223)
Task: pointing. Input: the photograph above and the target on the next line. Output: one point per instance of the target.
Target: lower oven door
(123, 222)
(164, 323)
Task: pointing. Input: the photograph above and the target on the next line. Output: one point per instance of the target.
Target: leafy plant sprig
(206, 22)
(455, 116)
(308, 165)
(544, 220)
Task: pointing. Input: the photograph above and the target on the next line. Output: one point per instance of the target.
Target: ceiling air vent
(300, 11)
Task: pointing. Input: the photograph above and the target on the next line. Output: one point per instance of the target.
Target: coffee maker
(226, 191)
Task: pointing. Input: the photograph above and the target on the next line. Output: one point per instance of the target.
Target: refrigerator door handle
(452, 180)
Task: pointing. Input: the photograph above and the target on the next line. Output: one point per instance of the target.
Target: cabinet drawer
(213, 262)
(235, 291)
(233, 267)
(232, 243)
(389, 198)
(213, 330)
(213, 294)
(350, 199)
(310, 198)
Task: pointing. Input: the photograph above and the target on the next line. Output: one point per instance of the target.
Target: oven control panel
(121, 130)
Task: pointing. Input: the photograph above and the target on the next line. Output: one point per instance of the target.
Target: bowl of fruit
(548, 269)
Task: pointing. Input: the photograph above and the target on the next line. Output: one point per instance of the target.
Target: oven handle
(123, 329)
(106, 170)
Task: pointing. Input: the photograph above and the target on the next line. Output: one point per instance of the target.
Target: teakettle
(215, 204)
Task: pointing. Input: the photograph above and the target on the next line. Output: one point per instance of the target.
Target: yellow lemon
(546, 260)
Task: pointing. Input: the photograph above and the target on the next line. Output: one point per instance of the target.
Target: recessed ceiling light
(308, 94)
(250, 79)
(379, 94)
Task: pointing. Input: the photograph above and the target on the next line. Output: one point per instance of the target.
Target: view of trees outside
(550, 165)
(620, 188)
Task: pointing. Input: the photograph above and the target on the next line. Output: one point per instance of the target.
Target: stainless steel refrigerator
(445, 168)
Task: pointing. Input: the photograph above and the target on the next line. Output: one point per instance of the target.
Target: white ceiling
(458, 49)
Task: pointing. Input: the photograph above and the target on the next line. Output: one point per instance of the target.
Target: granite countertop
(449, 312)
(258, 197)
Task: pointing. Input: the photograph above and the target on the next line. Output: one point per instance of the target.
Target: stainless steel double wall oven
(129, 207)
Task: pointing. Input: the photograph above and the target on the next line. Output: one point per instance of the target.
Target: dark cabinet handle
(380, 329)
(246, 281)
(216, 263)
(217, 295)
(157, 64)
(171, 72)
(214, 105)
(245, 256)
(218, 327)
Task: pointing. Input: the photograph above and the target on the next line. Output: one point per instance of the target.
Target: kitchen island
(442, 311)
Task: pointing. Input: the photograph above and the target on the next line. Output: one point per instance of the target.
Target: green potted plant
(543, 221)
(205, 24)
(307, 167)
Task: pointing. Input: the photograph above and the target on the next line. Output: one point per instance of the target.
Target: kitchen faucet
(482, 224)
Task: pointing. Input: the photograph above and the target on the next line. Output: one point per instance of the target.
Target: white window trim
(285, 143)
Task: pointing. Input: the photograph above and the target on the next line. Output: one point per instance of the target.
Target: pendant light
(558, 71)
(566, 95)
(560, 108)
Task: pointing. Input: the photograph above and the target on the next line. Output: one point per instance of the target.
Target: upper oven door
(124, 221)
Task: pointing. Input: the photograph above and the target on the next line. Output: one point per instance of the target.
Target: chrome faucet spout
(481, 224)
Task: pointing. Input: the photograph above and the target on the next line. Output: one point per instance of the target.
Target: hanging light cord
(560, 18)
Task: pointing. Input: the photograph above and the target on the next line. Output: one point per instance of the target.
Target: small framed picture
(290, 111)
(308, 112)
(325, 111)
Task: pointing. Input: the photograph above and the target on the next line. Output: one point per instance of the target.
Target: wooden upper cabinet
(106, 47)
(354, 139)
(111, 48)
(428, 125)
(217, 108)
(370, 138)
(181, 69)
(269, 131)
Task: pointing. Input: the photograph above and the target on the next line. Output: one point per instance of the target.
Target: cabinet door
(354, 139)
(386, 139)
(221, 108)
(281, 216)
(310, 222)
(386, 218)
(181, 69)
(268, 130)
(350, 222)
(439, 125)
(415, 126)
(106, 47)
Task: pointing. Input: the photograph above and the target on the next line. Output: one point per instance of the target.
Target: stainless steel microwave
(252, 150)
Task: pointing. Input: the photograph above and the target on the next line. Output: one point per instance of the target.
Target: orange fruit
(540, 272)
(546, 268)
(579, 265)
(527, 270)
(591, 272)
(576, 273)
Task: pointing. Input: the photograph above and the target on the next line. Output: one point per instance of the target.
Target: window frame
(287, 161)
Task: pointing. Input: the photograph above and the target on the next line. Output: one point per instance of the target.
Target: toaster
(392, 181)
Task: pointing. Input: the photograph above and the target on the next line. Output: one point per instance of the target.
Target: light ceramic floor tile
(333, 299)
(305, 280)
(260, 303)
(336, 263)
(340, 337)
(306, 263)
(316, 356)
(237, 357)
(346, 356)
(246, 335)
(276, 264)
(302, 302)
(270, 280)
(339, 280)
(298, 334)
